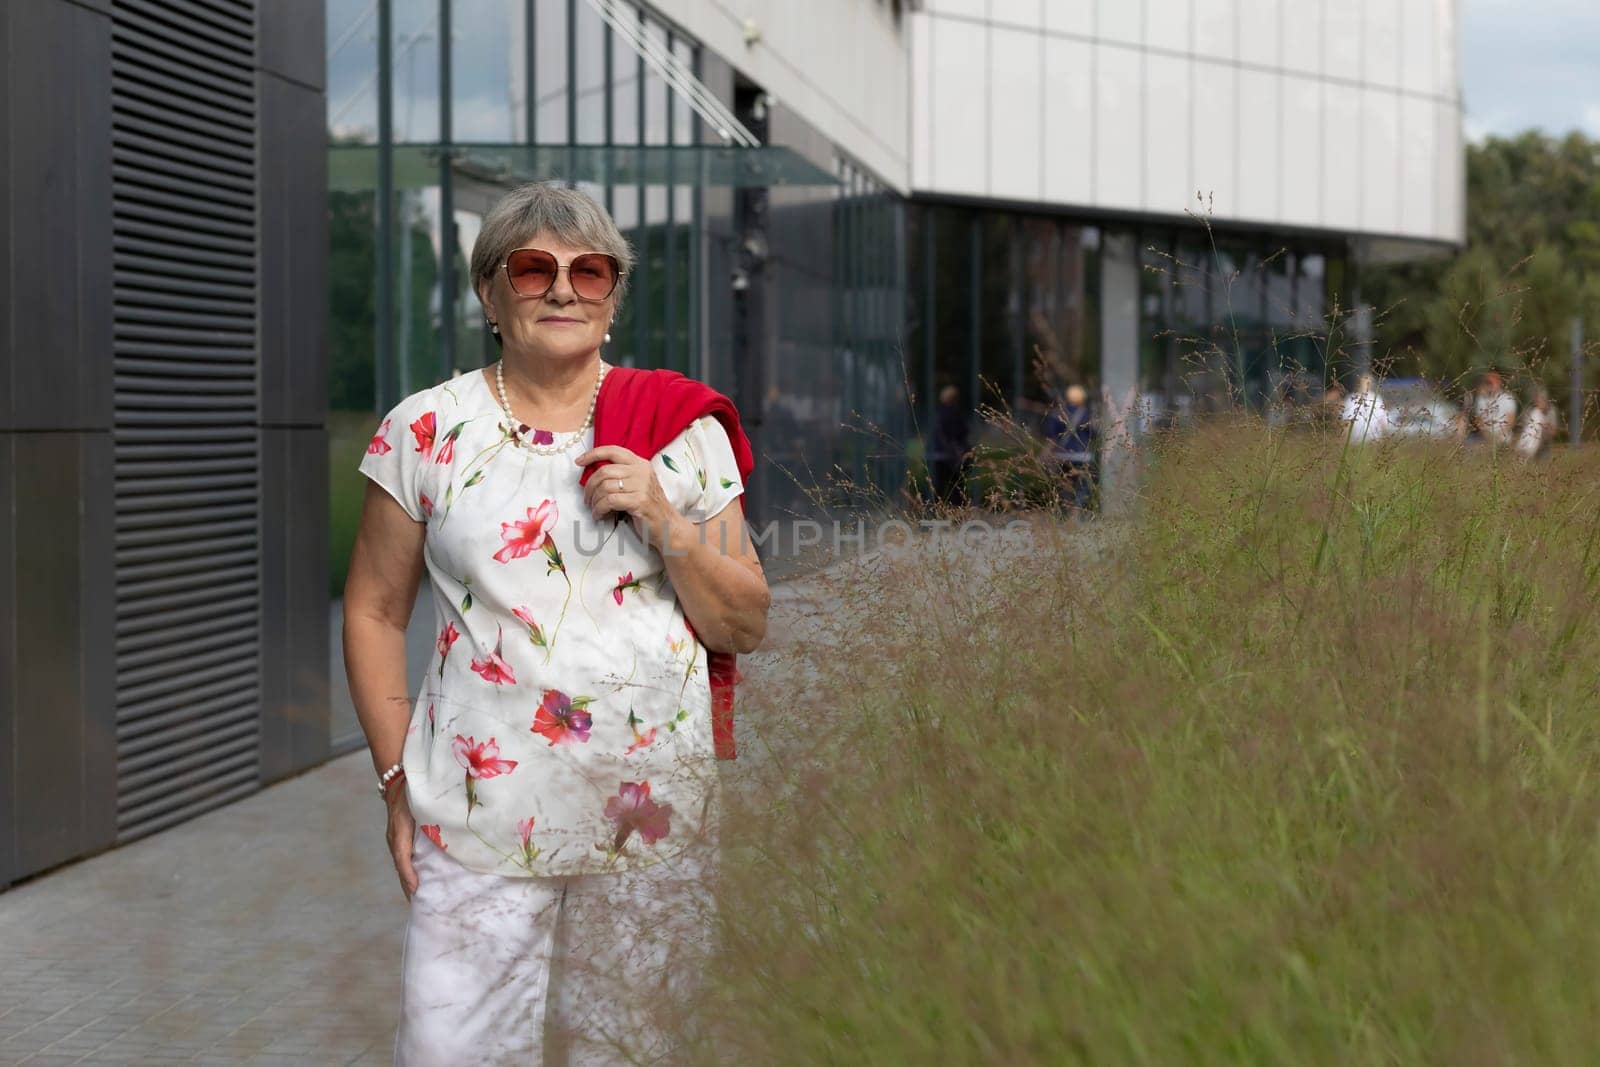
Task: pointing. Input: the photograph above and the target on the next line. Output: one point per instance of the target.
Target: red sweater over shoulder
(643, 410)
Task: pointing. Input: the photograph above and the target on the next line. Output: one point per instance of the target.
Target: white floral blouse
(564, 724)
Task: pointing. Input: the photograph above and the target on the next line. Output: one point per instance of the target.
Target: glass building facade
(1007, 308)
(1228, 321)
(830, 308)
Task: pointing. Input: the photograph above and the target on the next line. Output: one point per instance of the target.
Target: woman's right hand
(402, 834)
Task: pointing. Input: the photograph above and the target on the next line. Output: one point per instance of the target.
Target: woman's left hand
(641, 495)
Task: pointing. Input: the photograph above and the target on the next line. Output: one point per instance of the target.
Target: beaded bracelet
(386, 777)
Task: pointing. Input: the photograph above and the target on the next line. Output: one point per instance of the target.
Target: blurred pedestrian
(951, 454)
(1364, 412)
(1069, 450)
(1491, 412)
(1538, 426)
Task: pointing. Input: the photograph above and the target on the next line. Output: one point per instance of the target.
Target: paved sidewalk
(268, 931)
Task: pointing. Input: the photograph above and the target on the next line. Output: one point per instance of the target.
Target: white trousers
(582, 970)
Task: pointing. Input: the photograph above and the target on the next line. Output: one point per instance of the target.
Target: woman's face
(558, 325)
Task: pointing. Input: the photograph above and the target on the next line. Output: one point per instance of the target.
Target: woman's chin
(560, 349)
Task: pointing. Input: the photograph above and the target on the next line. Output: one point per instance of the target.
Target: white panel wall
(1380, 36)
(842, 65)
(1341, 157)
(1302, 174)
(1260, 32)
(1419, 148)
(1260, 151)
(1118, 146)
(1168, 122)
(1068, 127)
(959, 134)
(1381, 161)
(1016, 113)
(1215, 175)
(1216, 29)
(1341, 115)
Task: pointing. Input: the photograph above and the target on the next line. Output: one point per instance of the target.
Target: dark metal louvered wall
(186, 433)
(164, 607)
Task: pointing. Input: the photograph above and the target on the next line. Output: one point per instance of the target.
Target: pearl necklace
(514, 427)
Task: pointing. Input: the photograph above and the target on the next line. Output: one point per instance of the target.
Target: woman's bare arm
(385, 568)
(718, 579)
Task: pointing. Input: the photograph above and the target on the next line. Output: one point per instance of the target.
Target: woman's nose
(561, 292)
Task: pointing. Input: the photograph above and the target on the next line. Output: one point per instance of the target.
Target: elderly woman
(551, 788)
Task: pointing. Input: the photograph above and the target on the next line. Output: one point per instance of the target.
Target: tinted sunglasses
(533, 271)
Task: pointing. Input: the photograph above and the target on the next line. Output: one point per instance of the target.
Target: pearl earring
(494, 327)
(608, 337)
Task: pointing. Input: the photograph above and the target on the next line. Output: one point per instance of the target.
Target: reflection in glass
(652, 308)
(416, 290)
(625, 64)
(416, 69)
(590, 54)
(352, 263)
(655, 89)
(550, 71)
(352, 71)
(474, 346)
(952, 303)
(488, 71)
(683, 116)
(999, 311)
(1050, 355)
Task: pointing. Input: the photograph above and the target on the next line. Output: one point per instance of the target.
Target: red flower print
(543, 437)
(527, 535)
(562, 719)
(379, 445)
(627, 581)
(447, 637)
(423, 430)
(425, 504)
(493, 667)
(535, 631)
(632, 809)
(432, 832)
(530, 852)
(481, 761)
(430, 719)
(447, 446)
(640, 740)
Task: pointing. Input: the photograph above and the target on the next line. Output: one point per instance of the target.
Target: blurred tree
(351, 313)
(1532, 262)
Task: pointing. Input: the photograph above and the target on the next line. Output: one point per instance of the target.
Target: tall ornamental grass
(1298, 763)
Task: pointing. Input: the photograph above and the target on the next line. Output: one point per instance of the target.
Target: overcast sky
(1531, 63)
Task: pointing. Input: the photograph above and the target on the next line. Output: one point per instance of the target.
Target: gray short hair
(569, 214)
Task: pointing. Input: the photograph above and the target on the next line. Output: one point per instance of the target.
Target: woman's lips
(557, 320)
